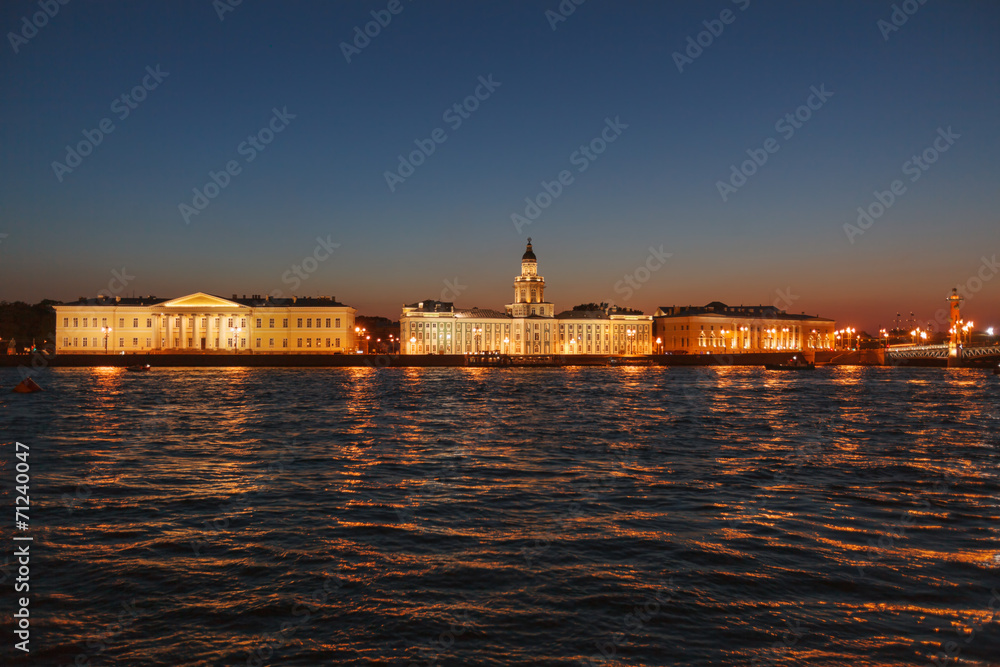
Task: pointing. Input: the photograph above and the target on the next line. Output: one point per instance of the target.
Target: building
(203, 323)
(721, 329)
(528, 326)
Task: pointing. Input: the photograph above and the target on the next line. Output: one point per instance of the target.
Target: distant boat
(629, 361)
(138, 369)
(795, 364)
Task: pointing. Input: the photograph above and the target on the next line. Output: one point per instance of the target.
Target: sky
(657, 153)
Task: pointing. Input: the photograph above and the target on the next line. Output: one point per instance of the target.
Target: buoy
(27, 386)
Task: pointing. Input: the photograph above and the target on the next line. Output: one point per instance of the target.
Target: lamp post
(107, 332)
(659, 344)
(506, 345)
(477, 332)
(630, 342)
(235, 331)
(413, 344)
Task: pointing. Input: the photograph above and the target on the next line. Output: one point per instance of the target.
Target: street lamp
(659, 344)
(236, 337)
(107, 332)
(506, 345)
(477, 332)
(413, 344)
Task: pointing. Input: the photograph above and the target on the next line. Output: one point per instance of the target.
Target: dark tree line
(24, 322)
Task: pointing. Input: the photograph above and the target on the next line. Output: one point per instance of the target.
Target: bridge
(968, 355)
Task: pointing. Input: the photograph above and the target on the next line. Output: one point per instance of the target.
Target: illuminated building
(202, 323)
(721, 329)
(528, 326)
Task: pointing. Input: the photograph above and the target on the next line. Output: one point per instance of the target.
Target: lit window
(309, 342)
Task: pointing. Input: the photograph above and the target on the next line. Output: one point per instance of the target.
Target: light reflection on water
(665, 516)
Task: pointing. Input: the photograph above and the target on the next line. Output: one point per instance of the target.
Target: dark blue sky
(657, 183)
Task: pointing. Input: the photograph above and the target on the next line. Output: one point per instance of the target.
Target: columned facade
(528, 326)
(203, 323)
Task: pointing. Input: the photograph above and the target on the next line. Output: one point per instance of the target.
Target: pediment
(200, 300)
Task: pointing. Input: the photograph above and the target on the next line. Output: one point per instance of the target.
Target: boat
(142, 368)
(794, 364)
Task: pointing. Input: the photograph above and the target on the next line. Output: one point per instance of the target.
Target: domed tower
(529, 289)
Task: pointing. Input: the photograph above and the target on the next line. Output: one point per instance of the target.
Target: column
(183, 333)
(209, 336)
(195, 329)
(170, 330)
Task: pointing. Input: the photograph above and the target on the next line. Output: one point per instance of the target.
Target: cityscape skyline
(840, 158)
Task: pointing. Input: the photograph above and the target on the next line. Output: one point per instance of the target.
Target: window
(337, 321)
(298, 342)
(270, 341)
(243, 323)
(85, 321)
(121, 342)
(149, 342)
(337, 342)
(135, 322)
(284, 323)
(328, 340)
(104, 322)
(259, 325)
(65, 341)
(309, 342)
(328, 323)
(76, 322)
(95, 341)
(149, 323)
(65, 321)
(135, 342)
(74, 342)
(230, 325)
(309, 323)
(284, 342)
(121, 322)
(204, 322)
(270, 323)
(298, 322)
(85, 342)
(258, 340)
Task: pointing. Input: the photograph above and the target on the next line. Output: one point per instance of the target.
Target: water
(620, 516)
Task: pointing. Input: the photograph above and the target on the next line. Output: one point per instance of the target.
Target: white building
(528, 326)
(203, 323)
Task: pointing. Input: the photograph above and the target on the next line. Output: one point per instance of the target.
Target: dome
(528, 254)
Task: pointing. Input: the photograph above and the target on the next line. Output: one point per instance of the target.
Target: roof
(529, 254)
(721, 310)
(481, 312)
